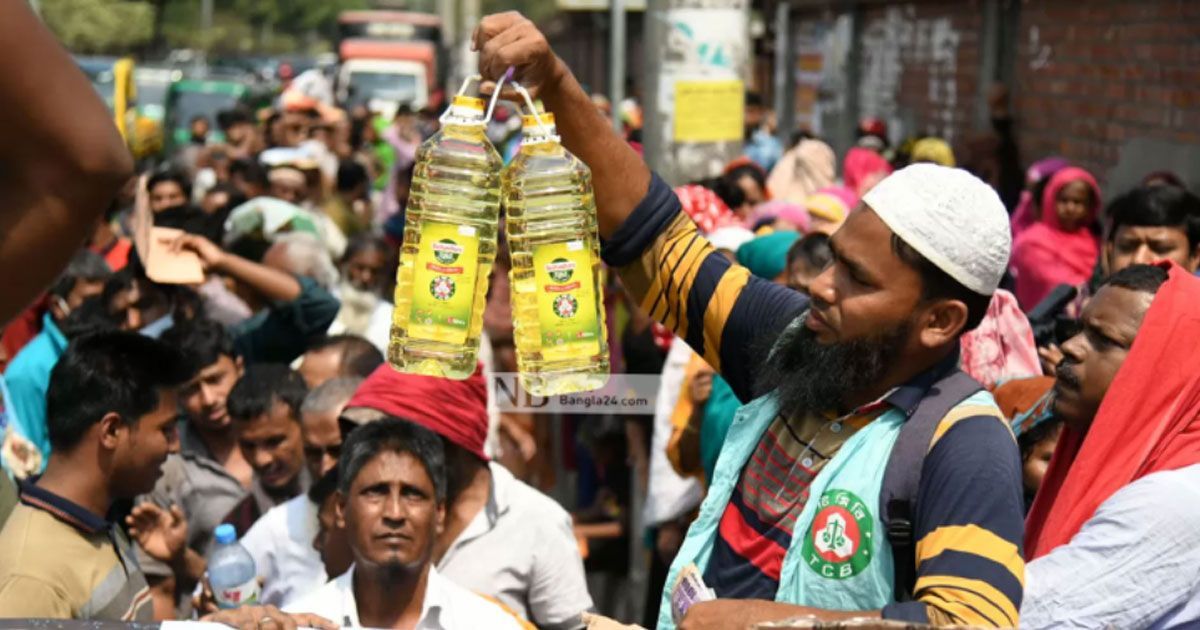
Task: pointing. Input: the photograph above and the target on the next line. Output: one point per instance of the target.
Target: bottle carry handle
(532, 109)
(495, 95)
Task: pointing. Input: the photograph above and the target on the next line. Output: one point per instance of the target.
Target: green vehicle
(188, 98)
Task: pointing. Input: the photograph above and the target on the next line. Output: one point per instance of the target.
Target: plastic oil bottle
(557, 299)
(449, 246)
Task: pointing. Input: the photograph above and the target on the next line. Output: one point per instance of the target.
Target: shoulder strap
(902, 477)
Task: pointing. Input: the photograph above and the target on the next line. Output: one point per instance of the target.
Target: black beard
(811, 377)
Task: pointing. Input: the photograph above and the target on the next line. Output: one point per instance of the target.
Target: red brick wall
(1097, 80)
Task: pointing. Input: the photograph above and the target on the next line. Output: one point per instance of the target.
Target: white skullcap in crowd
(951, 218)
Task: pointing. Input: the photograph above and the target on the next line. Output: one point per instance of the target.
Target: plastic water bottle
(231, 571)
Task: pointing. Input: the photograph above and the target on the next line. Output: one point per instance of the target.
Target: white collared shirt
(446, 606)
(521, 550)
(281, 543)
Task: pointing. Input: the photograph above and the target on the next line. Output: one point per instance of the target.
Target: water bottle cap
(225, 534)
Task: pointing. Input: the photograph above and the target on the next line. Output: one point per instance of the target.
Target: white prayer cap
(951, 218)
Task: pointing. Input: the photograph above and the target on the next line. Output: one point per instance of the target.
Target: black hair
(754, 99)
(180, 301)
(110, 372)
(262, 385)
(91, 317)
(84, 265)
(813, 249)
(366, 241)
(1144, 278)
(938, 285)
(1029, 439)
(197, 118)
(230, 117)
(800, 136)
(202, 341)
(1157, 206)
(351, 174)
(324, 487)
(397, 436)
(728, 191)
(747, 170)
(359, 356)
(171, 175)
(250, 171)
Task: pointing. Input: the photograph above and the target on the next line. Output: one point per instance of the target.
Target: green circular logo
(447, 251)
(840, 542)
(565, 306)
(442, 288)
(560, 269)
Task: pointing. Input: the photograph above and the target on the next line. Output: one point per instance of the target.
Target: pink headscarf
(786, 210)
(863, 169)
(1002, 346)
(1045, 256)
(1024, 216)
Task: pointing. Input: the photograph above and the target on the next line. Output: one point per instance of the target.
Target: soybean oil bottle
(449, 246)
(557, 299)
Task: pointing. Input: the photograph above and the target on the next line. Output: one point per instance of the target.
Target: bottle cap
(225, 534)
(531, 126)
(467, 106)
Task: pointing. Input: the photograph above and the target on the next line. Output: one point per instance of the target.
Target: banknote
(688, 590)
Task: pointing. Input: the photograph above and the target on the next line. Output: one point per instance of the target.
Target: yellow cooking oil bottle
(449, 246)
(557, 299)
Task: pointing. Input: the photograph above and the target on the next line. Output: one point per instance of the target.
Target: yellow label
(566, 298)
(446, 267)
(469, 101)
(709, 111)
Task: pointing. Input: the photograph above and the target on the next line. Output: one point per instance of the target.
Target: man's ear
(943, 322)
(1194, 259)
(111, 427)
(1106, 259)
(339, 509)
(240, 365)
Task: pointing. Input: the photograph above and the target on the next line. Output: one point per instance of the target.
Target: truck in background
(389, 59)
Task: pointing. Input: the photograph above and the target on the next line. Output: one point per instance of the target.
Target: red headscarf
(1148, 422)
(861, 168)
(455, 410)
(1044, 255)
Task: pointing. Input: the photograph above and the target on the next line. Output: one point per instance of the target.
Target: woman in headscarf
(803, 169)
(863, 169)
(1001, 347)
(933, 150)
(781, 215)
(1061, 248)
(1029, 210)
(829, 207)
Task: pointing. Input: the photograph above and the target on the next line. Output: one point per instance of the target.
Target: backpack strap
(902, 477)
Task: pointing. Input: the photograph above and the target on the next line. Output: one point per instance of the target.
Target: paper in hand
(689, 589)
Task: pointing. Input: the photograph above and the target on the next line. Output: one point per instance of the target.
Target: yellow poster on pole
(709, 111)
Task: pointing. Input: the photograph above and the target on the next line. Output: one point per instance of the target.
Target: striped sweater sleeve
(726, 315)
(968, 526)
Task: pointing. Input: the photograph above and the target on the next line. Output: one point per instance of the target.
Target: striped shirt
(970, 514)
(63, 562)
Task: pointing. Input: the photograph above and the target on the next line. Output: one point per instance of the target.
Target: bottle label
(234, 596)
(447, 264)
(566, 299)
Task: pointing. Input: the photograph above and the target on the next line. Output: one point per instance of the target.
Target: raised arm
(61, 161)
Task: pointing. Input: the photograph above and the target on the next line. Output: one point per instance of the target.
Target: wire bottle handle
(475, 78)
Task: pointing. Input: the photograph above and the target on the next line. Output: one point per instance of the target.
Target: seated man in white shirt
(281, 542)
(391, 504)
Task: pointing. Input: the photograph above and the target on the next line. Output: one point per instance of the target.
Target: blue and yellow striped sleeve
(969, 525)
(726, 315)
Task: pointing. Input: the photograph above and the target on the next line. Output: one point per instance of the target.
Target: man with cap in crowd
(792, 522)
(502, 538)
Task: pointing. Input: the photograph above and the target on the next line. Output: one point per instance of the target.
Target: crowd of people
(890, 387)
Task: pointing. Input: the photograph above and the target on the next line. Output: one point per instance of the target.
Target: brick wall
(1111, 84)
(920, 66)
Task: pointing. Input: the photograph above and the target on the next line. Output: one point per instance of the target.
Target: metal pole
(784, 89)
(616, 61)
(206, 17)
(655, 147)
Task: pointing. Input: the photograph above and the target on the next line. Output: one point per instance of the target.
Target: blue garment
(718, 415)
(28, 377)
(764, 149)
